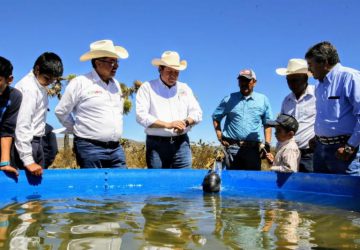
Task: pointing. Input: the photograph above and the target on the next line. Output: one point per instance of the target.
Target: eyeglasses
(111, 63)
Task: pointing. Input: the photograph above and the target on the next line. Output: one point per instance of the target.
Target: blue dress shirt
(245, 115)
(338, 104)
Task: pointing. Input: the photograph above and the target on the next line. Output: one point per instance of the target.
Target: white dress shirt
(287, 157)
(32, 116)
(156, 101)
(304, 111)
(92, 109)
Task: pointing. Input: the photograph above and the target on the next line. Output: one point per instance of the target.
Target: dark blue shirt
(10, 102)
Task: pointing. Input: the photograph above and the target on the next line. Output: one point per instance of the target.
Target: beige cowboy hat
(295, 66)
(104, 48)
(170, 59)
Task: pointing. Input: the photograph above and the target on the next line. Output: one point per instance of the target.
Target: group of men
(328, 116)
(92, 109)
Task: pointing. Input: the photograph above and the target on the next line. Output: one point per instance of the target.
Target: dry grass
(204, 155)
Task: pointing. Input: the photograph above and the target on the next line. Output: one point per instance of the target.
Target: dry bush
(203, 154)
(134, 153)
(65, 159)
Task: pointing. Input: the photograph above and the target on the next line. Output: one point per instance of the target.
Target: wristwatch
(349, 149)
(187, 123)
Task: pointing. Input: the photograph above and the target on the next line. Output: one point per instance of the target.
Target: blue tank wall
(334, 190)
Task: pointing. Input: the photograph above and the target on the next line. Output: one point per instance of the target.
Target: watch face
(348, 149)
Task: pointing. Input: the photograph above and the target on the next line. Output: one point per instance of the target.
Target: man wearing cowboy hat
(300, 103)
(92, 108)
(337, 123)
(167, 109)
(247, 113)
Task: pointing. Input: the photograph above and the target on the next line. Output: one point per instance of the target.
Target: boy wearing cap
(246, 115)
(167, 109)
(10, 101)
(287, 156)
(92, 109)
(300, 103)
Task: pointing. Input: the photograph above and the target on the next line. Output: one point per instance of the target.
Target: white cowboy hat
(295, 66)
(104, 48)
(170, 59)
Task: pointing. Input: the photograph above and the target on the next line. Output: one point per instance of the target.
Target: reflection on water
(194, 222)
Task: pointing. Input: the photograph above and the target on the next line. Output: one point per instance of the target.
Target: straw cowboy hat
(295, 66)
(104, 48)
(170, 59)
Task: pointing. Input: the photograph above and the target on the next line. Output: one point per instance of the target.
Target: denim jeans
(37, 154)
(89, 155)
(244, 158)
(306, 163)
(166, 154)
(325, 161)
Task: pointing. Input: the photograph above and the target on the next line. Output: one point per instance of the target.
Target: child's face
(4, 82)
(281, 134)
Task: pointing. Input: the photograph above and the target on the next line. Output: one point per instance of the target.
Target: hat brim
(158, 62)
(272, 123)
(285, 72)
(119, 52)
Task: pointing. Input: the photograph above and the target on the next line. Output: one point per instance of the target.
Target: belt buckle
(172, 140)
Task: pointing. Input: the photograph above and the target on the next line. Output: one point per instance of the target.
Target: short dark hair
(6, 67)
(323, 52)
(49, 63)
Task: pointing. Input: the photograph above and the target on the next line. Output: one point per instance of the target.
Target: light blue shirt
(245, 115)
(338, 104)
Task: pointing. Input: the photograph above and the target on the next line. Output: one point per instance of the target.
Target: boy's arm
(5, 155)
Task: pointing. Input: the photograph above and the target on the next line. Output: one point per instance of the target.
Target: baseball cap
(286, 121)
(248, 73)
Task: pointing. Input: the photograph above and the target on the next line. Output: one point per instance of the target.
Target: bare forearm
(5, 148)
(267, 134)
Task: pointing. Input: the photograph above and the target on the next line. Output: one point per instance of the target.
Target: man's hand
(312, 143)
(269, 158)
(224, 143)
(35, 169)
(344, 153)
(9, 169)
(266, 149)
(178, 126)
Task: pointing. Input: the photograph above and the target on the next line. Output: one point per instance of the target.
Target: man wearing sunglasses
(92, 109)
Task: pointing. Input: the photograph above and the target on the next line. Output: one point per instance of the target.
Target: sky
(217, 38)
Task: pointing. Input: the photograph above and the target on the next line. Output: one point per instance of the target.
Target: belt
(170, 139)
(104, 144)
(248, 144)
(340, 139)
(37, 139)
(305, 151)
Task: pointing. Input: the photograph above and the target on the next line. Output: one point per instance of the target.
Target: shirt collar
(166, 86)
(96, 78)
(330, 76)
(307, 92)
(247, 97)
(41, 87)
(284, 143)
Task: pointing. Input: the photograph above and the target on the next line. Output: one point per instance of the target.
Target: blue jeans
(244, 158)
(325, 161)
(89, 155)
(166, 154)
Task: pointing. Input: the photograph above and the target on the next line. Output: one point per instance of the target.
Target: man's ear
(291, 133)
(10, 79)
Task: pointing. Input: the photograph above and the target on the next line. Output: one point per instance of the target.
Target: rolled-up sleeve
(143, 116)
(66, 105)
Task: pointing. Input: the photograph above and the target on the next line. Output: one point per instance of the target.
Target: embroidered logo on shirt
(94, 92)
(182, 93)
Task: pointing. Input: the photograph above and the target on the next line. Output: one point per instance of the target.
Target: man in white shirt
(300, 103)
(30, 127)
(167, 109)
(92, 109)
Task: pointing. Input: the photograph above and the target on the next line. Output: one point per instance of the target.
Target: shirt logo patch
(94, 92)
(182, 93)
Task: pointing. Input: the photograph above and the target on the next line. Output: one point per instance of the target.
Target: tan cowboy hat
(170, 59)
(295, 66)
(104, 48)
